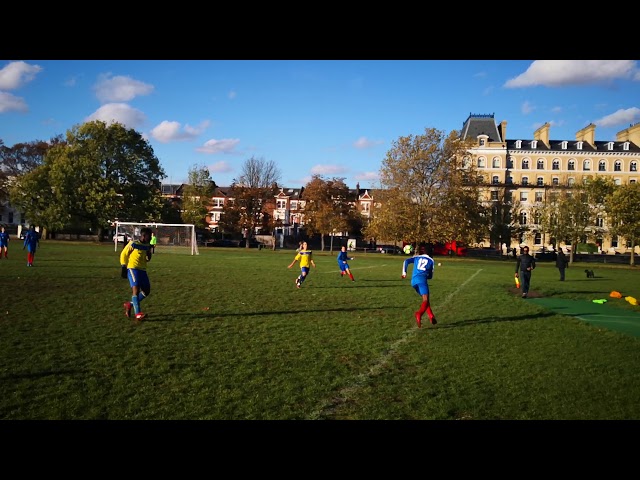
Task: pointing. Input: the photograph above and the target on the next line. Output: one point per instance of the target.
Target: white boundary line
(328, 407)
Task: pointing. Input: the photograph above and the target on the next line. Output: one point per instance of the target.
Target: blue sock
(136, 304)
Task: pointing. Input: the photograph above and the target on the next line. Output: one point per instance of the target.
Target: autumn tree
(251, 193)
(624, 214)
(196, 196)
(99, 174)
(429, 191)
(328, 209)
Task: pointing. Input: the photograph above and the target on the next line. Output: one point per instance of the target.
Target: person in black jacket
(525, 264)
(561, 263)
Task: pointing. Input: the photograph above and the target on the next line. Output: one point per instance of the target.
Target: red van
(450, 248)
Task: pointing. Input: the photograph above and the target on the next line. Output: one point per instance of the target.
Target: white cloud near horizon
(562, 73)
(364, 142)
(119, 88)
(328, 169)
(119, 113)
(213, 146)
(620, 117)
(167, 131)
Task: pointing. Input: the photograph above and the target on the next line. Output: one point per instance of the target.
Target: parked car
(389, 249)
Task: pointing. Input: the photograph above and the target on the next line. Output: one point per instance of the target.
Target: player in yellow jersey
(305, 257)
(133, 262)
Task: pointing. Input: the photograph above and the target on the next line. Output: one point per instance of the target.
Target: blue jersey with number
(422, 268)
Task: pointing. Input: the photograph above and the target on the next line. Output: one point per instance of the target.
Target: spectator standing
(525, 264)
(561, 263)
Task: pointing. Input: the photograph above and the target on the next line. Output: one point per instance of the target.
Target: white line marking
(328, 407)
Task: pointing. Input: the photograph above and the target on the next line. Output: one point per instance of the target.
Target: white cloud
(328, 169)
(16, 74)
(367, 176)
(621, 117)
(71, 82)
(556, 109)
(9, 103)
(561, 73)
(167, 131)
(120, 113)
(232, 94)
(220, 167)
(364, 142)
(119, 88)
(527, 107)
(213, 146)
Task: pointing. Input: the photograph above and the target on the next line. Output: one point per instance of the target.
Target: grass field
(228, 336)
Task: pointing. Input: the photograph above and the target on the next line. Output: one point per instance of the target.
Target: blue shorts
(139, 278)
(304, 270)
(3, 244)
(343, 266)
(422, 288)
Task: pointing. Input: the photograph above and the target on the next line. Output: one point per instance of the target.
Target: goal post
(171, 237)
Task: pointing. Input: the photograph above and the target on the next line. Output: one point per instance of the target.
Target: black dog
(589, 273)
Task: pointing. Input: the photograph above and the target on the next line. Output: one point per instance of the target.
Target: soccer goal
(172, 237)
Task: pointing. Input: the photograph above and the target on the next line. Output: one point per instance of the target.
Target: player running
(343, 265)
(306, 259)
(133, 263)
(423, 266)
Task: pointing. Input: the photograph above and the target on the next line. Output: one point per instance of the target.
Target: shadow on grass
(163, 317)
(480, 321)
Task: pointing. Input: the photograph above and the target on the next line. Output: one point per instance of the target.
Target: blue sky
(335, 118)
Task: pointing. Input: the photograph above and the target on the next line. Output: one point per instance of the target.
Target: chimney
(503, 131)
(631, 134)
(542, 134)
(587, 134)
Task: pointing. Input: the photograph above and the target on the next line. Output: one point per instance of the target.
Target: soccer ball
(439, 264)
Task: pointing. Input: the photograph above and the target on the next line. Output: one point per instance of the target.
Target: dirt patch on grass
(531, 294)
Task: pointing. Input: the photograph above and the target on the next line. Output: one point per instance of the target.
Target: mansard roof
(476, 125)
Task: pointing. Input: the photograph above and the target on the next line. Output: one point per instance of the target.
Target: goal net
(172, 237)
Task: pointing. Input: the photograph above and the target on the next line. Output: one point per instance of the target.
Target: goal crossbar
(172, 237)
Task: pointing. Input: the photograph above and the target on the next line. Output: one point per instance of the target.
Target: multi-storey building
(527, 169)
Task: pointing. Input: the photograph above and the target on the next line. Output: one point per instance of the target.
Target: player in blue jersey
(306, 260)
(343, 265)
(133, 264)
(31, 242)
(423, 266)
(4, 243)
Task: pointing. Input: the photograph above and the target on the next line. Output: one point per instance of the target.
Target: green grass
(228, 336)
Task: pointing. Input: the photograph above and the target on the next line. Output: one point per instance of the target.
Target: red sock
(430, 312)
(351, 275)
(423, 308)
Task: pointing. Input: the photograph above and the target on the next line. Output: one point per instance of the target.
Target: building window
(579, 145)
(610, 146)
(572, 165)
(294, 204)
(633, 180)
(525, 180)
(281, 204)
(540, 181)
(509, 180)
(480, 162)
(534, 144)
(617, 181)
(556, 165)
(625, 146)
(586, 165)
(11, 217)
(510, 162)
(494, 195)
(600, 222)
(555, 182)
(495, 179)
(564, 145)
(496, 162)
(617, 167)
(523, 218)
(614, 242)
(540, 164)
(518, 143)
(633, 166)
(523, 196)
(537, 239)
(571, 182)
(482, 142)
(525, 164)
(602, 166)
(538, 196)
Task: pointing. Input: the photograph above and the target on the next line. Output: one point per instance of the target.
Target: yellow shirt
(304, 257)
(134, 255)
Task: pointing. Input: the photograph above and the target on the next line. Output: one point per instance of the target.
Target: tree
(328, 208)
(429, 191)
(196, 197)
(624, 214)
(99, 174)
(251, 193)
